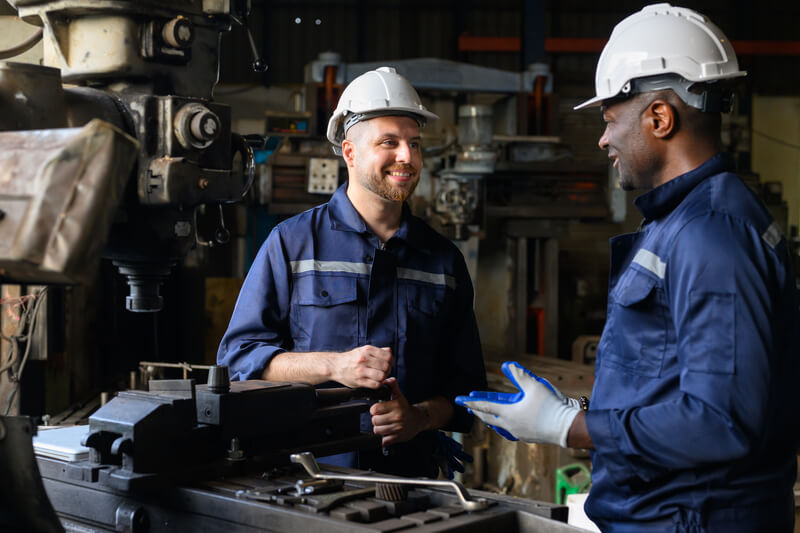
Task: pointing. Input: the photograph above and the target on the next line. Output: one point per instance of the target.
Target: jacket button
(368, 259)
(324, 294)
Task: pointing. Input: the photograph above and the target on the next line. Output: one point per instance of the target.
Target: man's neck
(382, 216)
(683, 159)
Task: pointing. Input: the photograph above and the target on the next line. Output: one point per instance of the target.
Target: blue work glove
(537, 413)
(450, 455)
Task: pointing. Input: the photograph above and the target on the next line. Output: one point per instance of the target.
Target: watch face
(584, 403)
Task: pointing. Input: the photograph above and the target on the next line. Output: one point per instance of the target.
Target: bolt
(182, 228)
(205, 126)
(202, 183)
(178, 32)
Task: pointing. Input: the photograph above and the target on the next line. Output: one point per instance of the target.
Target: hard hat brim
(597, 101)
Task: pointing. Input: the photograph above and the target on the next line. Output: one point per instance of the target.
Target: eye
(415, 145)
(389, 142)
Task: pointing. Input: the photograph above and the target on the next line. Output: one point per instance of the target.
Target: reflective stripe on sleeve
(773, 235)
(651, 262)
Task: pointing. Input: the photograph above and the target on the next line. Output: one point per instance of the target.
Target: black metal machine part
(270, 502)
(24, 505)
(185, 458)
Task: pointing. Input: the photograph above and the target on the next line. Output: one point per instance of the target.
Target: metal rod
(307, 461)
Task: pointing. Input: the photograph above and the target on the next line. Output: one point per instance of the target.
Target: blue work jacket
(692, 414)
(323, 281)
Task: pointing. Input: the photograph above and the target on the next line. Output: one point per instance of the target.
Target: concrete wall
(776, 146)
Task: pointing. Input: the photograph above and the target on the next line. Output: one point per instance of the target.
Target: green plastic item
(573, 478)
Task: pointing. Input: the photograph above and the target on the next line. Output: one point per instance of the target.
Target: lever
(259, 65)
(309, 463)
(221, 234)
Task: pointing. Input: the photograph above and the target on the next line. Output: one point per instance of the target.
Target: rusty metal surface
(103, 40)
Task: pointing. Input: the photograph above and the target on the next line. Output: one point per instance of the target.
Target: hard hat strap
(710, 100)
(352, 119)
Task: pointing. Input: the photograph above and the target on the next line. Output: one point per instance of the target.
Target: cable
(25, 330)
(776, 140)
(24, 46)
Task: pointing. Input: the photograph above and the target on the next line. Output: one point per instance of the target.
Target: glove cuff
(566, 420)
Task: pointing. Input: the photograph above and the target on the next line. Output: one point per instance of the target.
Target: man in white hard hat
(360, 292)
(692, 417)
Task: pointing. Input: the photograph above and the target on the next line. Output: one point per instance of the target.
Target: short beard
(378, 185)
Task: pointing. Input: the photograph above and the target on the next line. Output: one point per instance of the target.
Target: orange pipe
(556, 45)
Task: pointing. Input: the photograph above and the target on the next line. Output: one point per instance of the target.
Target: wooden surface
(572, 379)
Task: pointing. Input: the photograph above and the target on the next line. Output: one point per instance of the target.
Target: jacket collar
(344, 217)
(664, 198)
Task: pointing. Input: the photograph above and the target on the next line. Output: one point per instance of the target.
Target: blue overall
(692, 414)
(322, 281)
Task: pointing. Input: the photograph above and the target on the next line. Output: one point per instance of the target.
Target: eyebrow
(396, 136)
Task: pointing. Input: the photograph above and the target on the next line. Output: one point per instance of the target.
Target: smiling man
(692, 420)
(360, 292)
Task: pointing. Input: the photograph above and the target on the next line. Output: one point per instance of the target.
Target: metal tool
(309, 462)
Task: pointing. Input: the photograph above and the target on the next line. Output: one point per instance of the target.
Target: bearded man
(360, 292)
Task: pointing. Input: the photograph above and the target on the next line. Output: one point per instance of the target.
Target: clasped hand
(396, 420)
(365, 366)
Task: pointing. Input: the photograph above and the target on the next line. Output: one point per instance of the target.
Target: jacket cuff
(252, 366)
(605, 432)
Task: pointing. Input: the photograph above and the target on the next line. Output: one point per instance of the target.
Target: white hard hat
(379, 92)
(663, 40)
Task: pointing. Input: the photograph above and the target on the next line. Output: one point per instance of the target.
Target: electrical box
(323, 175)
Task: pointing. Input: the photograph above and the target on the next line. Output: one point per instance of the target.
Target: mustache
(401, 168)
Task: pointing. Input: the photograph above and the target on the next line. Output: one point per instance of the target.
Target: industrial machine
(111, 146)
(233, 457)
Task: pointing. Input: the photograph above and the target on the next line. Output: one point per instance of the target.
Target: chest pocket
(324, 313)
(421, 329)
(635, 336)
(424, 304)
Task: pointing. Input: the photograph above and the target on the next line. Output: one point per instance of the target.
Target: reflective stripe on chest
(313, 265)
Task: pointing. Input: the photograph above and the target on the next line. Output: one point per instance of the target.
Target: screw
(202, 183)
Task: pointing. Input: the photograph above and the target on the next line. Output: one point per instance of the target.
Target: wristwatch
(584, 401)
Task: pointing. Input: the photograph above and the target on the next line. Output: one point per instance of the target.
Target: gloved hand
(537, 413)
(450, 455)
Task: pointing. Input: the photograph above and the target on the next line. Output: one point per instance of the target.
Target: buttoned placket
(382, 301)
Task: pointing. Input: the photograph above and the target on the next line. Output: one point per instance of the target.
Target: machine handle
(309, 462)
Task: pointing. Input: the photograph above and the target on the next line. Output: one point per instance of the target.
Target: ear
(348, 152)
(661, 119)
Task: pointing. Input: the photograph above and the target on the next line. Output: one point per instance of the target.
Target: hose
(24, 46)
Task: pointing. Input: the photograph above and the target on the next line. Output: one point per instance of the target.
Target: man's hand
(537, 413)
(395, 420)
(366, 366)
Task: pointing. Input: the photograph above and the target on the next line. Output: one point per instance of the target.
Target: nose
(403, 153)
(603, 141)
